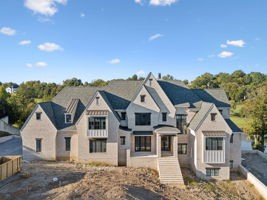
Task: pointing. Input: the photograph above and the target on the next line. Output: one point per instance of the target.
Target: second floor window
(182, 148)
(38, 115)
(97, 123)
(142, 119)
(214, 143)
(68, 118)
(181, 122)
(164, 117)
(213, 116)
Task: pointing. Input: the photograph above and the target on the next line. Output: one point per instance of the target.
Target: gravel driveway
(11, 147)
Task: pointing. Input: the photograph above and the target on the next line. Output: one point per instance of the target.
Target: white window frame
(71, 120)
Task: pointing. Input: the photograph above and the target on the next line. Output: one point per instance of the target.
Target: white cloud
(138, 2)
(41, 64)
(225, 54)
(115, 61)
(25, 42)
(44, 7)
(49, 47)
(141, 73)
(223, 46)
(237, 43)
(29, 65)
(200, 59)
(82, 15)
(7, 31)
(154, 37)
(162, 2)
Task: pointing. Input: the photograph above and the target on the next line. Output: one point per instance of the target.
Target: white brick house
(152, 123)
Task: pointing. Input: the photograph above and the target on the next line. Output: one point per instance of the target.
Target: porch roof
(166, 130)
(142, 132)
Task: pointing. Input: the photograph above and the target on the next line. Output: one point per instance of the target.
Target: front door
(166, 143)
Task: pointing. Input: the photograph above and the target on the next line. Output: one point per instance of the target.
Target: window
(142, 98)
(232, 138)
(142, 143)
(68, 118)
(212, 171)
(214, 143)
(123, 116)
(67, 143)
(98, 146)
(38, 115)
(164, 117)
(97, 123)
(213, 116)
(122, 138)
(38, 144)
(231, 164)
(181, 122)
(182, 148)
(97, 100)
(142, 119)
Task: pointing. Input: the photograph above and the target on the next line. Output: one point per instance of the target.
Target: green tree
(98, 83)
(72, 82)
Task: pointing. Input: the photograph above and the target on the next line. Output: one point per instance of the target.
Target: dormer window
(213, 116)
(142, 98)
(97, 100)
(68, 118)
(38, 115)
(150, 82)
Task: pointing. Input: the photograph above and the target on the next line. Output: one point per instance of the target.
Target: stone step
(169, 171)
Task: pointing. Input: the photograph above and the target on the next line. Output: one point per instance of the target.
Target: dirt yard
(80, 181)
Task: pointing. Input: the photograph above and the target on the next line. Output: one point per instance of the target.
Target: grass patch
(98, 164)
(241, 122)
(191, 182)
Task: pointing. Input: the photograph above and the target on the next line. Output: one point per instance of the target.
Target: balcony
(214, 157)
(99, 133)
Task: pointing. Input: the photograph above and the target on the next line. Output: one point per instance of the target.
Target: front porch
(157, 150)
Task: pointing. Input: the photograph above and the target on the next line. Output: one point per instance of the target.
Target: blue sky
(52, 40)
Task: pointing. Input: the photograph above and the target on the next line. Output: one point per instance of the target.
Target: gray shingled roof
(233, 126)
(119, 93)
(200, 116)
(179, 94)
(157, 99)
(216, 96)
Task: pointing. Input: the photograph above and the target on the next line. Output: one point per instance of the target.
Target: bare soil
(81, 181)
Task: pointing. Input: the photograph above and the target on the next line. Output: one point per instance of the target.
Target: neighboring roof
(142, 132)
(167, 129)
(200, 116)
(216, 96)
(233, 126)
(179, 94)
(155, 96)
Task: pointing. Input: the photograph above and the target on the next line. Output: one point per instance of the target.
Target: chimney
(159, 76)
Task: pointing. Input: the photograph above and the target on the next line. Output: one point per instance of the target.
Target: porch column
(175, 146)
(158, 138)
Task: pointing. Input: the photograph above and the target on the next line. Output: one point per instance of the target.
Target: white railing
(212, 156)
(102, 133)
